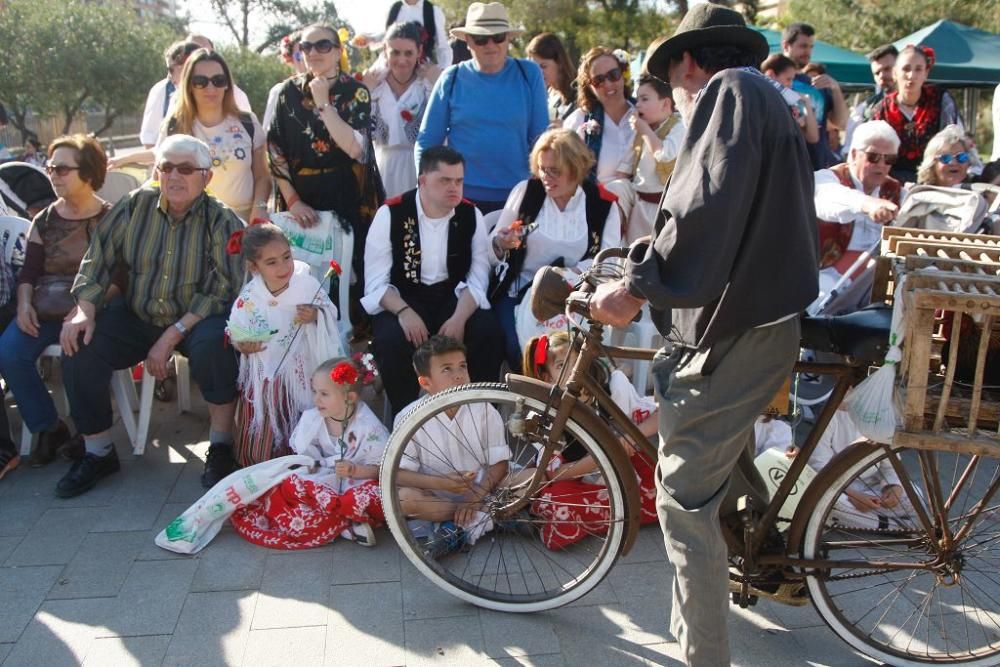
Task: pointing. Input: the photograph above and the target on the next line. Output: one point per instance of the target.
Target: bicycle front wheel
(913, 543)
(554, 550)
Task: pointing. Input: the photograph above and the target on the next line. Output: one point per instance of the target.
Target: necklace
(403, 83)
(277, 292)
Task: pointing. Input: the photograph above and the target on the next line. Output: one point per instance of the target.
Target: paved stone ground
(81, 582)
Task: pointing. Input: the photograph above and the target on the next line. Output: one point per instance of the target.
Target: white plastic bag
(199, 524)
(872, 404)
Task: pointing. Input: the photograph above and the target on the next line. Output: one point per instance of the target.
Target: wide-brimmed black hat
(704, 25)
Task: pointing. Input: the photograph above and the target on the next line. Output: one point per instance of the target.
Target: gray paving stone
(61, 633)
(591, 635)
(548, 660)
(603, 593)
(648, 546)
(377, 564)
(22, 590)
(517, 635)
(229, 563)
(127, 651)
(423, 599)
(667, 654)
(295, 590)
(100, 566)
(5, 649)
(645, 593)
(187, 488)
(212, 629)
(819, 646)
(55, 537)
(18, 515)
(7, 546)
(128, 515)
(291, 647)
(151, 598)
(364, 625)
(444, 641)
(150, 551)
(143, 479)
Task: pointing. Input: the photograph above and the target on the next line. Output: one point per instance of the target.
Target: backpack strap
(431, 27)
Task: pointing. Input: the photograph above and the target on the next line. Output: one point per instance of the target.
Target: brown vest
(834, 238)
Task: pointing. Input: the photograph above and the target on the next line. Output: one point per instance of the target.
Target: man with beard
(732, 264)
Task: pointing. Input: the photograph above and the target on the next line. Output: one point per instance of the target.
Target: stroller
(25, 188)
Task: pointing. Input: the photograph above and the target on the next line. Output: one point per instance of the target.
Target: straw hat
(704, 25)
(485, 19)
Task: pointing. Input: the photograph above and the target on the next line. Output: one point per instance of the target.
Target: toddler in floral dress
(340, 495)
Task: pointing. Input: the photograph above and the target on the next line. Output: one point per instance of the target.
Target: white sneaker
(363, 534)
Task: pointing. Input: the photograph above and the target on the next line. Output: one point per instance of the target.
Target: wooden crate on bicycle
(953, 400)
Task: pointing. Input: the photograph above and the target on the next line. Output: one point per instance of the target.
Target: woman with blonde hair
(555, 218)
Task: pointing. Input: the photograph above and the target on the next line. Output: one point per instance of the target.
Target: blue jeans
(19, 353)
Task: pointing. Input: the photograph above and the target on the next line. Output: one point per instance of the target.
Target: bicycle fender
(539, 390)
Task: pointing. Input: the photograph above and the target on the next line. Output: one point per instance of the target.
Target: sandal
(8, 461)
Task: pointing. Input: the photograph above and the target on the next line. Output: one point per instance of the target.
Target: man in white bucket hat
(490, 109)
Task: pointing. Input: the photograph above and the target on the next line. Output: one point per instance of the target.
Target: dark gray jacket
(736, 241)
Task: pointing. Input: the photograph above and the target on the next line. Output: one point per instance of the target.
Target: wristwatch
(181, 328)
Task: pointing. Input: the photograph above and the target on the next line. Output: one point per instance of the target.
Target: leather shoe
(73, 449)
(218, 464)
(86, 472)
(49, 443)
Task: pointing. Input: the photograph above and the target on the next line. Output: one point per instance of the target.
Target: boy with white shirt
(426, 272)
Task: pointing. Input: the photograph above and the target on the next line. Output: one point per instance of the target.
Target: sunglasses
(960, 158)
(612, 75)
(875, 158)
(322, 46)
(483, 40)
(551, 172)
(59, 169)
(182, 169)
(218, 81)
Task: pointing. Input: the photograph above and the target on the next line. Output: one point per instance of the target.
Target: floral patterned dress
(312, 509)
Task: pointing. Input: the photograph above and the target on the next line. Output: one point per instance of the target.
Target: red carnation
(335, 267)
(344, 373)
(234, 245)
(407, 116)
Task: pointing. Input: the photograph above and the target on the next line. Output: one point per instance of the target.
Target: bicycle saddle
(862, 335)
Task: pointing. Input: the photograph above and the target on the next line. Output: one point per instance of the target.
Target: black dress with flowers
(301, 151)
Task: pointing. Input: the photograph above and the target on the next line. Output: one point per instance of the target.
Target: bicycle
(895, 547)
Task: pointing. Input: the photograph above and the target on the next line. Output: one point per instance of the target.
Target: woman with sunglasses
(947, 159)
(604, 114)
(399, 99)
(550, 55)
(319, 143)
(59, 237)
(916, 110)
(205, 108)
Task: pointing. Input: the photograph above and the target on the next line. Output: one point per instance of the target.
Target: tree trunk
(245, 41)
(109, 120)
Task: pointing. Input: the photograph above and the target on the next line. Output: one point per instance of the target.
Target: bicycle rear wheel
(554, 551)
(914, 576)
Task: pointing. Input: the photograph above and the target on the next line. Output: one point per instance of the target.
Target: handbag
(51, 299)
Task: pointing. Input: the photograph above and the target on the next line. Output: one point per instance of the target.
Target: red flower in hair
(344, 373)
(358, 76)
(406, 115)
(234, 245)
(541, 351)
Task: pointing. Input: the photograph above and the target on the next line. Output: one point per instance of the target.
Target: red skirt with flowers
(301, 514)
(573, 509)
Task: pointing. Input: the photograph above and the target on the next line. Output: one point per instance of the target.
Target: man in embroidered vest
(854, 199)
(426, 272)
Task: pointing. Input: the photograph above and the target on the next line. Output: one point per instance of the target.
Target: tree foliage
(279, 16)
(72, 56)
(255, 73)
(862, 25)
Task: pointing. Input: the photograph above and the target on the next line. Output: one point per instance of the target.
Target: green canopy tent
(964, 56)
(850, 69)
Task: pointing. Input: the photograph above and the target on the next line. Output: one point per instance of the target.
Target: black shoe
(49, 443)
(218, 464)
(85, 473)
(74, 449)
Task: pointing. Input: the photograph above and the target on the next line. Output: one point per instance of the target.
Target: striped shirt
(172, 267)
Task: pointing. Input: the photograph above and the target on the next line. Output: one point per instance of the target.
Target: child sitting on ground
(283, 325)
(658, 136)
(570, 502)
(455, 459)
(341, 496)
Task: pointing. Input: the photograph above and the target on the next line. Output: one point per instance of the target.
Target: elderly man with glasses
(170, 241)
(491, 109)
(855, 199)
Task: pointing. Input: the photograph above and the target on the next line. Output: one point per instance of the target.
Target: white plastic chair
(645, 335)
(13, 237)
(491, 219)
(117, 184)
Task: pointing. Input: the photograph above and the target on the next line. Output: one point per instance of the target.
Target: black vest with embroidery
(404, 234)
(430, 26)
(598, 204)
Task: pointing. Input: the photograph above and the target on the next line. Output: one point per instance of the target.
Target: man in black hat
(732, 264)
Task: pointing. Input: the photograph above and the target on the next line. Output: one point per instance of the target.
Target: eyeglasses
(551, 172)
(875, 158)
(483, 40)
(59, 169)
(182, 169)
(612, 75)
(960, 158)
(322, 46)
(217, 81)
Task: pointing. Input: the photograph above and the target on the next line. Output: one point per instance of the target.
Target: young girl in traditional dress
(340, 495)
(575, 504)
(283, 325)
